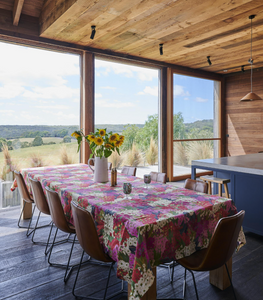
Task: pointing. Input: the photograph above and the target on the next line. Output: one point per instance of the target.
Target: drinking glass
(127, 188)
(147, 180)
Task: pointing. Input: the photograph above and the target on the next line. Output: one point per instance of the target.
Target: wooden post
(87, 100)
(219, 277)
(151, 293)
(169, 134)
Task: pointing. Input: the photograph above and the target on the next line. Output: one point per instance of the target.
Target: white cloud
(150, 90)
(98, 95)
(10, 91)
(105, 67)
(180, 91)
(53, 107)
(59, 92)
(76, 100)
(7, 112)
(199, 99)
(108, 88)
(114, 104)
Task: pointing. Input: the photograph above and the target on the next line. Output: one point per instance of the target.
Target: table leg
(219, 277)
(27, 210)
(151, 293)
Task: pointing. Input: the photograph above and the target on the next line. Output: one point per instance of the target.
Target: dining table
(157, 223)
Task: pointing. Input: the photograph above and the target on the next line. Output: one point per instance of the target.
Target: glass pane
(195, 105)
(126, 102)
(185, 152)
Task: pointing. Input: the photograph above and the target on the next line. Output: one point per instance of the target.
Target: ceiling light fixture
(243, 68)
(93, 31)
(251, 96)
(209, 61)
(161, 49)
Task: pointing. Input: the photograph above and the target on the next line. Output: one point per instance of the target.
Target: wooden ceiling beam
(17, 10)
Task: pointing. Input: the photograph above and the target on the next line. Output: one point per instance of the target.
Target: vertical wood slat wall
(244, 120)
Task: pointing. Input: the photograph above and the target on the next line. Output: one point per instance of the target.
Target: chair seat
(194, 261)
(214, 179)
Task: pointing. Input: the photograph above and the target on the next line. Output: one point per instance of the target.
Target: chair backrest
(223, 242)
(109, 165)
(196, 185)
(39, 196)
(57, 212)
(129, 170)
(22, 187)
(87, 233)
(159, 177)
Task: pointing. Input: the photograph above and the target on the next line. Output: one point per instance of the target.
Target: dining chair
(89, 241)
(59, 219)
(158, 177)
(221, 248)
(129, 170)
(196, 185)
(26, 199)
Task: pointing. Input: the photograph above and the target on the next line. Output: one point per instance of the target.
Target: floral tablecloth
(156, 225)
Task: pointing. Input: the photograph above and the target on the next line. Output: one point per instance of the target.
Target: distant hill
(28, 131)
(202, 125)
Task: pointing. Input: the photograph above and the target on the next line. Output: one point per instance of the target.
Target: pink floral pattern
(156, 225)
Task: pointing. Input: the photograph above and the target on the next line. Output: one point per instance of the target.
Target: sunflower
(109, 146)
(75, 135)
(98, 141)
(121, 138)
(113, 137)
(102, 132)
(91, 137)
(117, 143)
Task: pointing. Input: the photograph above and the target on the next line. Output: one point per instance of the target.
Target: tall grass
(151, 155)
(180, 157)
(65, 156)
(199, 150)
(8, 167)
(133, 157)
(115, 159)
(36, 160)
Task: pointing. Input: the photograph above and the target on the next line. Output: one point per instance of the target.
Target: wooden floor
(26, 274)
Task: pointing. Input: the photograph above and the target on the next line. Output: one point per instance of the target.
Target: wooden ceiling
(190, 30)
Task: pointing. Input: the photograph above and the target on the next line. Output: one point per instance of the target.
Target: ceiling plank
(17, 10)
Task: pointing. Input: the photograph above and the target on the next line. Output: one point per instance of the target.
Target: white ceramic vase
(100, 169)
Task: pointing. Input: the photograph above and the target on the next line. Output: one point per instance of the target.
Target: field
(45, 140)
(49, 154)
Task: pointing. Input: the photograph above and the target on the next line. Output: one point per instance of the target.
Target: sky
(40, 87)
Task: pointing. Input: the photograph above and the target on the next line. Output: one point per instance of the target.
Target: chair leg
(73, 289)
(48, 249)
(28, 233)
(194, 283)
(184, 285)
(32, 239)
(230, 282)
(108, 279)
(69, 268)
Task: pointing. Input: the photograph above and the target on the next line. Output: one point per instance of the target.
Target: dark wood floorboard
(25, 273)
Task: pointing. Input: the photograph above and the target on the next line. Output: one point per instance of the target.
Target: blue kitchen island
(246, 184)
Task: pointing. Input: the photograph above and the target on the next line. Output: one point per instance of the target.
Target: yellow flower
(108, 146)
(98, 141)
(122, 138)
(91, 137)
(75, 134)
(102, 132)
(117, 143)
(113, 137)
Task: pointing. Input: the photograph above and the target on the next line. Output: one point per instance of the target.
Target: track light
(93, 31)
(161, 49)
(243, 68)
(209, 61)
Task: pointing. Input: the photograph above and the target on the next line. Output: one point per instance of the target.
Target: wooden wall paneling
(244, 120)
(87, 104)
(18, 5)
(222, 120)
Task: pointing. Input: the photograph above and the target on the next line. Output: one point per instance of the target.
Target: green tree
(38, 141)
(67, 139)
(16, 144)
(129, 133)
(178, 126)
(2, 143)
(25, 145)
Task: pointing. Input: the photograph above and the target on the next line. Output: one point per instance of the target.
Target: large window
(126, 102)
(196, 133)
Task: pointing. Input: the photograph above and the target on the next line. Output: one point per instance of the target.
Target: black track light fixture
(93, 31)
(161, 49)
(208, 60)
(243, 68)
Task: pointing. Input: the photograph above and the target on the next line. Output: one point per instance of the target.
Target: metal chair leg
(32, 238)
(69, 268)
(48, 249)
(194, 284)
(77, 275)
(108, 279)
(28, 233)
(230, 282)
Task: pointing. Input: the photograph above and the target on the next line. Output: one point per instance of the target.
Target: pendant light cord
(251, 59)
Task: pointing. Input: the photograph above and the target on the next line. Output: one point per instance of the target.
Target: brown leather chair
(26, 198)
(58, 217)
(220, 249)
(196, 185)
(159, 177)
(89, 241)
(129, 170)
(42, 206)
(109, 165)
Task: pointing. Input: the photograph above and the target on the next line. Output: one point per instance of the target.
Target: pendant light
(251, 96)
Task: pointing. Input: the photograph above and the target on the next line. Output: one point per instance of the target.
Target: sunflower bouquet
(101, 143)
